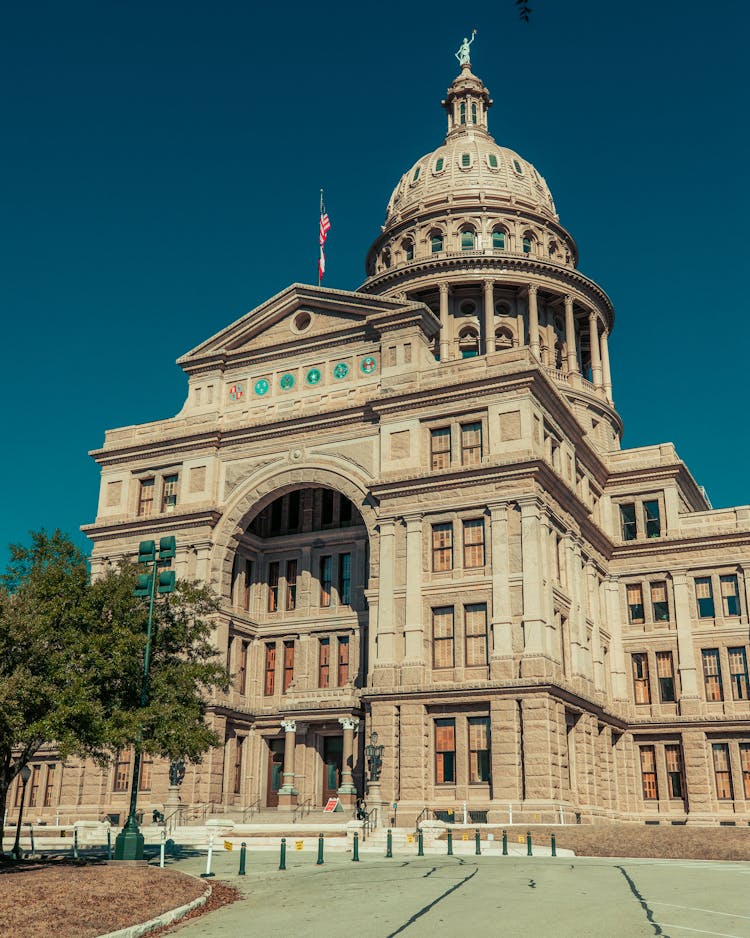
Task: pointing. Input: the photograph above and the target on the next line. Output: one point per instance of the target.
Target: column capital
(386, 525)
(413, 519)
(444, 288)
(530, 504)
(349, 723)
(289, 726)
(568, 300)
(495, 508)
(533, 289)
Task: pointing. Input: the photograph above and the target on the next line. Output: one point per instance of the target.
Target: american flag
(325, 227)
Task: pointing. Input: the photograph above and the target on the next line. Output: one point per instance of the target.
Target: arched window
(436, 242)
(407, 247)
(386, 258)
(416, 175)
(468, 342)
(468, 239)
(462, 112)
(528, 244)
(503, 338)
(498, 239)
(466, 160)
(492, 160)
(473, 113)
(439, 163)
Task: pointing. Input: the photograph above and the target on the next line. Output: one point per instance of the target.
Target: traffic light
(167, 548)
(146, 552)
(143, 585)
(166, 581)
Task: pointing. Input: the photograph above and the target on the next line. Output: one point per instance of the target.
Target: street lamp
(129, 842)
(374, 754)
(25, 774)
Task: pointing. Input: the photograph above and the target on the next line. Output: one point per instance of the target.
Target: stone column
(605, 366)
(533, 321)
(596, 363)
(614, 622)
(304, 581)
(689, 702)
(347, 792)
(386, 633)
(533, 601)
(501, 659)
(413, 666)
(444, 323)
(287, 792)
(596, 640)
(570, 336)
(489, 317)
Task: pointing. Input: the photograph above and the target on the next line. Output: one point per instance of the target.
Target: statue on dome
(463, 55)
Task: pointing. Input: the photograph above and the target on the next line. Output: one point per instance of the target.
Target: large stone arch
(265, 485)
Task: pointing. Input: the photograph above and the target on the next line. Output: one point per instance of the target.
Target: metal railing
(250, 810)
(302, 810)
(369, 823)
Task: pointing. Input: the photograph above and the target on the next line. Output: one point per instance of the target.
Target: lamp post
(25, 774)
(129, 842)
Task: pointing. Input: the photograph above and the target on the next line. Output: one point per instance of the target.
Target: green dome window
(409, 251)
(492, 160)
(468, 239)
(526, 245)
(436, 243)
(473, 113)
(439, 163)
(466, 159)
(498, 240)
(517, 167)
(415, 176)
(462, 113)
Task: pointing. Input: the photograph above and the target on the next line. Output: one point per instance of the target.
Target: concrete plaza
(488, 895)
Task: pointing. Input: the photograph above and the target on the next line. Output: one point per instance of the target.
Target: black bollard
(319, 861)
(282, 858)
(420, 843)
(355, 848)
(389, 845)
(528, 844)
(243, 853)
(450, 843)
(477, 843)
(505, 843)
(554, 846)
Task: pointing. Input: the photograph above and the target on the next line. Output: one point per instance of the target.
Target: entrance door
(275, 770)
(333, 751)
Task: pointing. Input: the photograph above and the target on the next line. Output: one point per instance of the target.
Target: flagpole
(320, 214)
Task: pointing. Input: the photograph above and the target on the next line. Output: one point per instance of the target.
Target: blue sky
(162, 162)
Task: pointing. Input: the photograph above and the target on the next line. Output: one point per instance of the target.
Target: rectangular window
(479, 749)
(474, 543)
(730, 595)
(291, 585)
(471, 444)
(343, 662)
(440, 448)
(640, 678)
(665, 673)
(635, 603)
(627, 521)
(269, 681)
(146, 497)
(242, 670)
(745, 764)
(738, 673)
(445, 752)
(345, 512)
(288, 665)
(247, 584)
(169, 492)
(652, 519)
(442, 547)
(49, 786)
(19, 791)
(34, 786)
(648, 773)
(442, 637)
(712, 674)
(144, 774)
(475, 618)
(705, 596)
(659, 601)
(230, 645)
(673, 757)
(273, 586)
(238, 747)
(326, 507)
(122, 771)
(326, 565)
(324, 657)
(722, 772)
(345, 579)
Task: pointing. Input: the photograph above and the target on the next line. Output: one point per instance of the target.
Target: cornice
(154, 524)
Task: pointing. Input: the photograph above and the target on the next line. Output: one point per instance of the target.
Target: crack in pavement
(649, 914)
(431, 905)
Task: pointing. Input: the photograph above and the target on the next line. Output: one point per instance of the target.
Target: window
(526, 245)
(738, 673)
(665, 674)
(465, 160)
(745, 763)
(122, 771)
(247, 584)
(517, 166)
(673, 757)
(242, 670)
(492, 160)
(442, 637)
(704, 594)
(462, 113)
(169, 492)
(468, 240)
(479, 750)
(440, 448)
(439, 164)
(712, 674)
(146, 497)
(49, 787)
(291, 585)
(627, 522)
(34, 787)
(648, 773)
(19, 792)
(345, 511)
(498, 240)
(659, 601)
(415, 175)
(640, 678)
(474, 543)
(288, 665)
(471, 444)
(238, 746)
(436, 243)
(468, 343)
(409, 251)
(276, 516)
(345, 579)
(269, 683)
(343, 662)
(326, 566)
(473, 113)
(230, 645)
(144, 775)
(324, 657)
(651, 517)
(293, 516)
(730, 596)
(273, 586)
(635, 603)
(722, 772)
(326, 507)
(445, 752)
(475, 619)
(442, 547)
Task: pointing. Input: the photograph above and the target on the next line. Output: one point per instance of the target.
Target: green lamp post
(129, 842)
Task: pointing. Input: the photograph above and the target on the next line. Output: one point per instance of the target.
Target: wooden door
(333, 751)
(275, 771)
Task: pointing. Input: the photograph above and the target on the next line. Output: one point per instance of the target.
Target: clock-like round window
(340, 371)
(286, 382)
(313, 376)
(261, 387)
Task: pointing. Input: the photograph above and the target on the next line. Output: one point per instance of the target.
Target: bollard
(209, 857)
(505, 843)
(554, 846)
(450, 843)
(477, 843)
(282, 858)
(163, 837)
(109, 844)
(31, 837)
(355, 848)
(243, 854)
(320, 850)
(528, 844)
(75, 843)
(389, 845)
(420, 843)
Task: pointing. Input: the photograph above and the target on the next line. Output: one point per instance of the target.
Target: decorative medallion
(236, 391)
(286, 382)
(313, 376)
(369, 364)
(261, 387)
(341, 371)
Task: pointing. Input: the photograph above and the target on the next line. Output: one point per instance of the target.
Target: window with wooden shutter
(659, 601)
(273, 586)
(712, 674)
(324, 660)
(326, 567)
(345, 579)
(475, 619)
(665, 674)
(442, 637)
(144, 780)
(238, 748)
(745, 764)
(122, 771)
(445, 752)
(627, 522)
(635, 603)
(471, 444)
(722, 772)
(442, 547)
(291, 585)
(36, 771)
(704, 595)
(288, 665)
(730, 596)
(269, 683)
(648, 773)
(169, 492)
(474, 543)
(640, 678)
(49, 787)
(440, 447)
(738, 673)
(343, 662)
(146, 497)
(242, 670)
(479, 749)
(673, 759)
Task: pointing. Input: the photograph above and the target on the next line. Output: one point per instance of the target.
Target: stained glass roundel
(341, 370)
(261, 387)
(286, 382)
(369, 364)
(313, 376)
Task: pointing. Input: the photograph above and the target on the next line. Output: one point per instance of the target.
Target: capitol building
(414, 506)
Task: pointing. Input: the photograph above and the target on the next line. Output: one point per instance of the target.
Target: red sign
(331, 805)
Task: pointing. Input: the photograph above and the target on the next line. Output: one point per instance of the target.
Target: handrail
(423, 814)
(249, 810)
(302, 809)
(370, 823)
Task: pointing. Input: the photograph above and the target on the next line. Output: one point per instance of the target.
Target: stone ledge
(166, 918)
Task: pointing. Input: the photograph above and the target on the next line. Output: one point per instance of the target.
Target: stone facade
(414, 506)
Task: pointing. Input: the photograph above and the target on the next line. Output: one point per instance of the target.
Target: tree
(71, 654)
